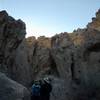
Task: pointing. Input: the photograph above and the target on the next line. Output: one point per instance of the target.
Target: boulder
(11, 90)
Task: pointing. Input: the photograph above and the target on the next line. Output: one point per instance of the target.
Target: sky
(50, 17)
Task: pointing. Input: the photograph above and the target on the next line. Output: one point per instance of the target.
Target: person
(46, 89)
(35, 92)
(41, 89)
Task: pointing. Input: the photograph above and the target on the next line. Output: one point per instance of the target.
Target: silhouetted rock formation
(72, 60)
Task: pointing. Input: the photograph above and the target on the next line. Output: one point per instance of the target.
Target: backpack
(36, 89)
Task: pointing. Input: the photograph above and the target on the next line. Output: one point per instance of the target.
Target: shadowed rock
(11, 90)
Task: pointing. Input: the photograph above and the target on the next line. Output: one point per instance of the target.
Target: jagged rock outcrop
(11, 34)
(72, 60)
(95, 24)
(11, 90)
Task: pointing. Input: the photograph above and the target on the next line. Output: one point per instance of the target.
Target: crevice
(72, 67)
(53, 66)
(74, 78)
(35, 48)
(1, 57)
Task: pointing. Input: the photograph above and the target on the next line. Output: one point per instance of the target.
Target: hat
(46, 79)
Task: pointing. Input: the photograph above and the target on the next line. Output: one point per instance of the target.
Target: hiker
(45, 90)
(35, 92)
(41, 89)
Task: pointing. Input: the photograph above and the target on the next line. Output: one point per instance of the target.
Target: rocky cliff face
(12, 33)
(71, 60)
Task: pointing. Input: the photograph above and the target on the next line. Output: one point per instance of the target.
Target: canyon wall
(72, 60)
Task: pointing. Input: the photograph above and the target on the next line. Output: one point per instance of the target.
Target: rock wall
(71, 60)
(12, 32)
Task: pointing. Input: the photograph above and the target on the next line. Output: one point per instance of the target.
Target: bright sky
(48, 17)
